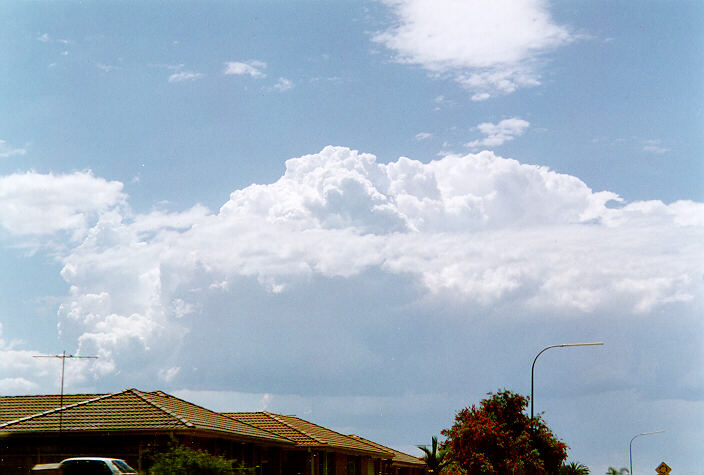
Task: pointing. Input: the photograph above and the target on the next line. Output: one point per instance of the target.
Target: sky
(369, 214)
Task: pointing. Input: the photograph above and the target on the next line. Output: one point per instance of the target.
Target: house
(132, 425)
(326, 452)
(135, 425)
(401, 463)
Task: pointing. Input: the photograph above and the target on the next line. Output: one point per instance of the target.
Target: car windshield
(124, 468)
(85, 467)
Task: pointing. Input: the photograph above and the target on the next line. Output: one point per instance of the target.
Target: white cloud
(283, 85)
(345, 257)
(498, 134)
(249, 68)
(168, 374)
(18, 386)
(22, 372)
(8, 151)
(182, 76)
(654, 146)
(107, 68)
(35, 204)
(490, 47)
(423, 136)
(45, 38)
(480, 96)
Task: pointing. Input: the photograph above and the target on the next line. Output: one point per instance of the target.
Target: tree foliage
(498, 437)
(179, 460)
(434, 459)
(574, 468)
(617, 471)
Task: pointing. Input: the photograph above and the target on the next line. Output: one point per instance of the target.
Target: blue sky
(367, 213)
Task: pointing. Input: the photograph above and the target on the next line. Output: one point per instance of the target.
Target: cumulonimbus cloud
(34, 204)
(490, 47)
(474, 228)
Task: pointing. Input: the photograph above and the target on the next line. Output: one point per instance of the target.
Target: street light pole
(630, 446)
(532, 370)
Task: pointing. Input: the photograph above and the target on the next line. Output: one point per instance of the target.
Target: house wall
(19, 453)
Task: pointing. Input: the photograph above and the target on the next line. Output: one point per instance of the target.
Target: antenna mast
(63, 357)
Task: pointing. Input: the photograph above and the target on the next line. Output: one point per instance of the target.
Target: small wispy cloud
(498, 134)
(45, 38)
(8, 151)
(106, 67)
(178, 75)
(442, 102)
(332, 79)
(480, 96)
(250, 68)
(182, 76)
(423, 136)
(283, 84)
(172, 67)
(654, 146)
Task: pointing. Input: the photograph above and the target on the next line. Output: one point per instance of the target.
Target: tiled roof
(272, 423)
(399, 457)
(307, 434)
(17, 407)
(129, 410)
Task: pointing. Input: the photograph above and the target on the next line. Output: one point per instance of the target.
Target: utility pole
(63, 357)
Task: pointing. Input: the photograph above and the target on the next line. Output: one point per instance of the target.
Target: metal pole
(532, 370)
(63, 357)
(61, 397)
(630, 447)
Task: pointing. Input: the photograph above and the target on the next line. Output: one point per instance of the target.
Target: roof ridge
(343, 435)
(287, 424)
(376, 445)
(61, 408)
(49, 395)
(232, 415)
(181, 419)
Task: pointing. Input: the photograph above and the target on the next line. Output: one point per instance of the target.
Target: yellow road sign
(663, 468)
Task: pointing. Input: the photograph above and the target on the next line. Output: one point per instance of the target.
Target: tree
(615, 471)
(574, 468)
(498, 437)
(179, 460)
(434, 459)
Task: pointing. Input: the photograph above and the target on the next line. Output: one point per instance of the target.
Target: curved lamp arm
(532, 370)
(630, 446)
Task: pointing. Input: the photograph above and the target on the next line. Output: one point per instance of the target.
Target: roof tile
(308, 434)
(129, 410)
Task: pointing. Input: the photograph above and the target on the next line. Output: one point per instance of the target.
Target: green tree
(616, 471)
(433, 458)
(498, 437)
(179, 460)
(574, 468)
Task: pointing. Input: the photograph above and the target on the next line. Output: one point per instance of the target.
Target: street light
(532, 370)
(630, 446)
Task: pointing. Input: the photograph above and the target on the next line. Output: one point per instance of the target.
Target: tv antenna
(63, 357)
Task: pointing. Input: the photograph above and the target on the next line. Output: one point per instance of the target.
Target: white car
(86, 466)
